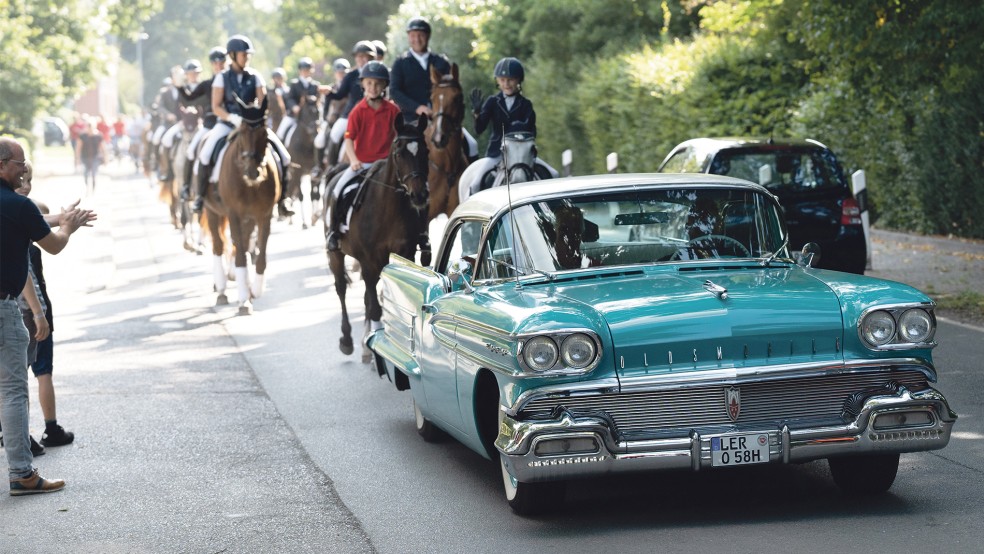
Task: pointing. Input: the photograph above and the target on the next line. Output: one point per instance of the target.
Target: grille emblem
(732, 398)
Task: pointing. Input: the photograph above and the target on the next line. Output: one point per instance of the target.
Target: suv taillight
(850, 212)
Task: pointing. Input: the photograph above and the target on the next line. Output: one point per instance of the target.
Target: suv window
(787, 169)
(684, 161)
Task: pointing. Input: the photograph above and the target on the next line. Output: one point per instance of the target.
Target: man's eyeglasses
(22, 162)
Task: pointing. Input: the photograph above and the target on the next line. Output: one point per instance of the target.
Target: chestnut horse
(445, 142)
(173, 161)
(389, 218)
(248, 188)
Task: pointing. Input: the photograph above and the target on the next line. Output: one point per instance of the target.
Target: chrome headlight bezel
(564, 342)
(901, 315)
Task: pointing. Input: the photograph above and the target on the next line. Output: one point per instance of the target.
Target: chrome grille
(766, 401)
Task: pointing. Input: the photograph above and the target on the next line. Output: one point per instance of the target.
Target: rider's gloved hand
(477, 99)
(235, 119)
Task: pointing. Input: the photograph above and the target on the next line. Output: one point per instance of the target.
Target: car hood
(666, 322)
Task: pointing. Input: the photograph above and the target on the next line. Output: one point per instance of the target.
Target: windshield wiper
(773, 255)
(522, 271)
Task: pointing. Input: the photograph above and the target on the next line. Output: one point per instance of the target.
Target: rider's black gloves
(477, 99)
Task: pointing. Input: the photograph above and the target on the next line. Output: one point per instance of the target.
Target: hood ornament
(716, 290)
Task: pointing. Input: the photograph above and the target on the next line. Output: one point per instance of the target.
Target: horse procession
(381, 152)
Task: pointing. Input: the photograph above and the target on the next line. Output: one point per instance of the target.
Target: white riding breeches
(472, 143)
(338, 129)
(155, 139)
(347, 176)
(167, 141)
(321, 140)
(220, 131)
(286, 125)
(193, 145)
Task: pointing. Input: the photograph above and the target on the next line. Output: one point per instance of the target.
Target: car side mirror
(460, 275)
(810, 255)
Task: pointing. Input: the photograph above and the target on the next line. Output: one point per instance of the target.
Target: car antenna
(512, 214)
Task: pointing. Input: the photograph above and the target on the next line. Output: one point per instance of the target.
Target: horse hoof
(304, 226)
(221, 300)
(246, 309)
(345, 346)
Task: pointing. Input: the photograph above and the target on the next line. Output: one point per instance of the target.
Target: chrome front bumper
(884, 424)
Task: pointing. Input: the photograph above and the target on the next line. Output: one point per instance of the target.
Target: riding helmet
(380, 47)
(419, 24)
(375, 70)
(192, 65)
(217, 54)
(365, 47)
(279, 72)
(239, 43)
(341, 64)
(509, 67)
(305, 63)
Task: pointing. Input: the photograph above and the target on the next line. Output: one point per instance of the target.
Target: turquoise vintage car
(618, 323)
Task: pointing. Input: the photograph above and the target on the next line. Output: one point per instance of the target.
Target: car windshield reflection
(641, 227)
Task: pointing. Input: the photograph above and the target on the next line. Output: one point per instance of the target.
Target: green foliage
(51, 51)
(341, 21)
(319, 49)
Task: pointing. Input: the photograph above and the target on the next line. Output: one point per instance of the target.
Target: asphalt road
(202, 431)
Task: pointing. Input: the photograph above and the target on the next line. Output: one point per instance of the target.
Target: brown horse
(444, 141)
(173, 162)
(248, 188)
(300, 145)
(390, 216)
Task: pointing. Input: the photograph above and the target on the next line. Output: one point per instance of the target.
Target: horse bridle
(439, 116)
(402, 179)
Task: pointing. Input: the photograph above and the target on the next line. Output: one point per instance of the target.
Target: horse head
(310, 114)
(190, 118)
(408, 160)
(251, 139)
(448, 103)
(518, 156)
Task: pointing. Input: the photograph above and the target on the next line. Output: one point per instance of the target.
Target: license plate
(736, 450)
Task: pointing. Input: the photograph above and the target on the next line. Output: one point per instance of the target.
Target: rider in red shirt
(369, 134)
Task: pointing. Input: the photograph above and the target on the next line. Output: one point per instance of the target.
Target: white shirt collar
(510, 100)
(421, 58)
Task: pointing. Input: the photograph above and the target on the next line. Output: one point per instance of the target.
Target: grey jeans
(13, 390)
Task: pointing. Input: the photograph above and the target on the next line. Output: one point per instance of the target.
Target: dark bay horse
(300, 145)
(445, 141)
(248, 188)
(389, 219)
(176, 159)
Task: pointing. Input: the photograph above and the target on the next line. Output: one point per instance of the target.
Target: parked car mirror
(460, 275)
(810, 255)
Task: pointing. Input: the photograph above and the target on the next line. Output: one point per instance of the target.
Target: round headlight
(916, 326)
(540, 353)
(878, 328)
(577, 351)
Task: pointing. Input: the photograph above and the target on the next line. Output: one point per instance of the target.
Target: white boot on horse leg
(369, 327)
(256, 289)
(219, 280)
(242, 285)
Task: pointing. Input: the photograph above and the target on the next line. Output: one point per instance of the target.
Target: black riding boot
(282, 208)
(333, 149)
(333, 232)
(189, 171)
(204, 172)
(423, 241)
(319, 163)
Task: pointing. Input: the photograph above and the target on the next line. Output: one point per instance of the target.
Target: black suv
(808, 180)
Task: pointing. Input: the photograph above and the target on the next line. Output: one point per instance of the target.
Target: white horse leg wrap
(258, 286)
(218, 274)
(242, 283)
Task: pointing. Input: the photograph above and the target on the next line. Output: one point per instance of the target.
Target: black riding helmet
(364, 47)
(217, 54)
(375, 70)
(341, 64)
(419, 24)
(380, 47)
(192, 65)
(305, 63)
(509, 67)
(279, 72)
(239, 43)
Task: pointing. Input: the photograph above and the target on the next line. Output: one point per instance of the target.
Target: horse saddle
(349, 199)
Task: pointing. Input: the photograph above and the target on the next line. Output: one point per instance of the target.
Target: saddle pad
(346, 201)
(218, 163)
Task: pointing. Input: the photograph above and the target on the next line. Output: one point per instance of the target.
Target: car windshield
(780, 169)
(638, 227)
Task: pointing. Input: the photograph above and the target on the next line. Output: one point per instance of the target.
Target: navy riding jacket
(410, 84)
(298, 91)
(521, 118)
(351, 87)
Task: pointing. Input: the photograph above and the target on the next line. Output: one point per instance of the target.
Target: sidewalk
(178, 447)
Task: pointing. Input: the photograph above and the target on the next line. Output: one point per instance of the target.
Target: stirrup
(332, 239)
